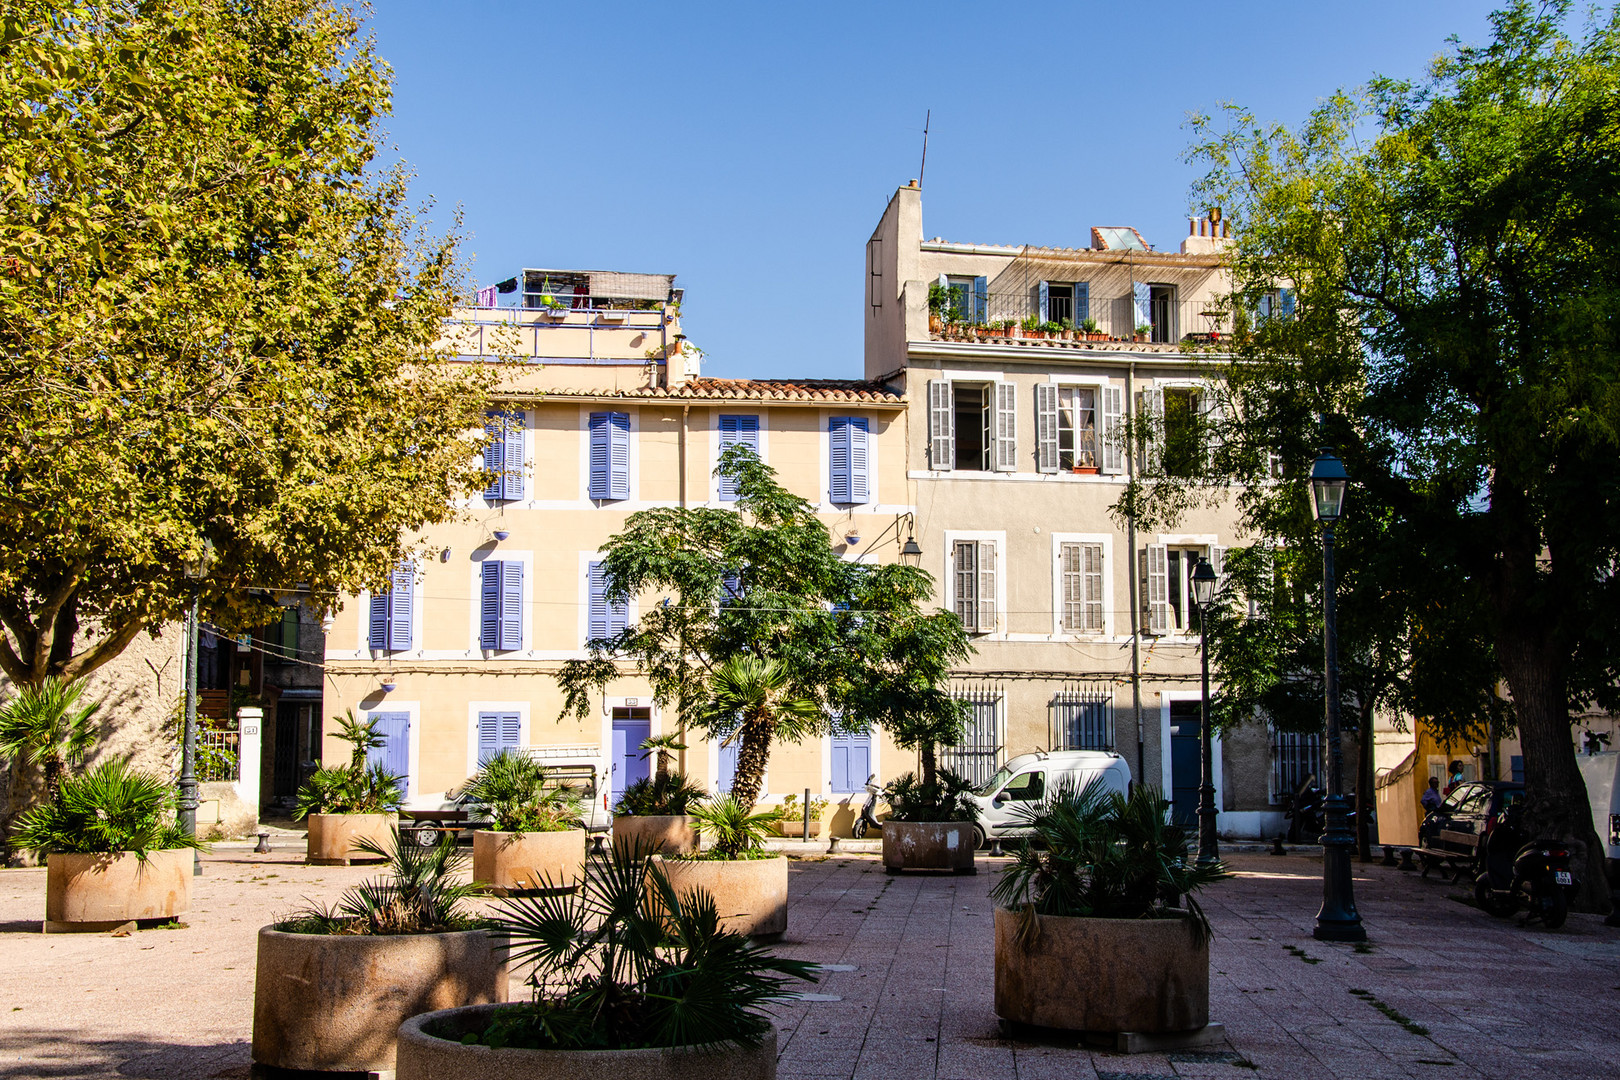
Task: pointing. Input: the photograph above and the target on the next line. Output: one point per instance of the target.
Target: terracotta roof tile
(708, 389)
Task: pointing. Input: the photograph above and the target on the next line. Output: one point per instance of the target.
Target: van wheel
(980, 841)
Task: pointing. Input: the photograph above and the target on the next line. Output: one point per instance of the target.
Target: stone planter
(429, 1050)
(1105, 975)
(928, 845)
(751, 895)
(332, 837)
(335, 1002)
(506, 861)
(796, 827)
(672, 835)
(102, 891)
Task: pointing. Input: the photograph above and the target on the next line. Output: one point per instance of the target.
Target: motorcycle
(1519, 873)
(868, 818)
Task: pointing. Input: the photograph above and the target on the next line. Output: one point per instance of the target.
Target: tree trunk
(930, 767)
(53, 778)
(1364, 787)
(752, 755)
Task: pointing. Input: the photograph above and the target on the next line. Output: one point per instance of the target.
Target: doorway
(1186, 764)
(631, 728)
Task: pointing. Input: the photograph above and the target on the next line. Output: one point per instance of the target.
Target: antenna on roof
(927, 117)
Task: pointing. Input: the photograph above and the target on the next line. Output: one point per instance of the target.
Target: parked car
(579, 767)
(1453, 834)
(1030, 778)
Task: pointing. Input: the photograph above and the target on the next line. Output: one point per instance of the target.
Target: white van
(1601, 771)
(1030, 778)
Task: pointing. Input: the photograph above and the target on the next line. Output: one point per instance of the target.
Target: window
(1060, 302)
(1182, 432)
(610, 455)
(1167, 585)
(1276, 304)
(848, 459)
(735, 431)
(501, 621)
(973, 574)
(605, 617)
(1080, 721)
(497, 731)
(503, 456)
(972, 426)
(969, 298)
(1081, 567)
(391, 611)
(284, 635)
(1079, 427)
(1295, 758)
(978, 755)
(1025, 787)
(1162, 312)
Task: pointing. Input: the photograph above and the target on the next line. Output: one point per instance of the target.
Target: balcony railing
(1157, 320)
(217, 754)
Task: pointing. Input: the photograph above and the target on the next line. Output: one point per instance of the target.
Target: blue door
(851, 760)
(631, 728)
(1186, 763)
(395, 752)
(728, 764)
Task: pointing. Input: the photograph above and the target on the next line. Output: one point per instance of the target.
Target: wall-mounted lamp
(910, 552)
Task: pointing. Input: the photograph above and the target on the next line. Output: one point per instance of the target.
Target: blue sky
(750, 148)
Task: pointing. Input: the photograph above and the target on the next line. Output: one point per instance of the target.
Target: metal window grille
(978, 755)
(1080, 720)
(1295, 757)
(217, 754)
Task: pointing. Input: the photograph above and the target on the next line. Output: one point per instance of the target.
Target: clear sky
(750, 148)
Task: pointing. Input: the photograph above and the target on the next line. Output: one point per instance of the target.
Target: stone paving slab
(1471, 996)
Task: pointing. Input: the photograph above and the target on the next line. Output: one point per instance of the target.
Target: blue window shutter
(489, 632)
(728, 764)
(512, 481)
(851, 759)
(619, 455)
(730, 586)
(840, 765)
(399, 615)
(1045, 300)
(511, 728)
(838, 440)
(380, 602)
(1082, 302)
(735, 430)
(1142, 293)
(395, 752)
(489, 737)
(600, 451)
(511, 605)
(494, 454)
(981, 299)
(596, 619)
(857, 459)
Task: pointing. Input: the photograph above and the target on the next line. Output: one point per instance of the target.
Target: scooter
(1535, 876)
(868, 818)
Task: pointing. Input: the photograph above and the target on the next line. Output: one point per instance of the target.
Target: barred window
(1080, 721)
(1295, 758)
(978, 755)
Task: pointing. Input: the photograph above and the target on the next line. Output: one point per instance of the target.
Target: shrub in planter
(621, 987)
(334, 984)
(535, 839)
(652, 815)
(748, 883)
(1085, 937)
(790, 816)
(931, 825)
(347, 805)
(113, 849)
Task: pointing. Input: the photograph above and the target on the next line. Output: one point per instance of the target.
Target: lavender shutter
(1046, 300)
(489, 632)
(981, 301)
(497, 731)
(851, 759)
(377, 638)
(728, 765)
(494, 454)
(596, 616)
(1082, 302)
(399, 615)
(395, 752)
(734, 431)
(511, 605)
(618, 455)
(858, 458)
(838, 454)
(601, 450)
(512, 481)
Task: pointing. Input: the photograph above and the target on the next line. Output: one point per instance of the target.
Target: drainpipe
(1131, 578)
(686, 416)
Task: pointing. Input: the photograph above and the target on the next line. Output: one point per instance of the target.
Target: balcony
(1155, 323)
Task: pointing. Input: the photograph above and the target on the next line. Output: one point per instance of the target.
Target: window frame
(995, 542)
(1060, 629)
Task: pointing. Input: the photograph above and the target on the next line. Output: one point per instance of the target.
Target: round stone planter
(102, 891)
(751, 895)
(520, 861)
(335, 1002)
(332, 837)
(671, 835)
(429, 1050)
(928, 845)
(1104, 975)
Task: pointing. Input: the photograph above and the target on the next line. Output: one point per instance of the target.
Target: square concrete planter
(928, 845)
(100, 891)
(332, 837)
(430, 1049)
(795, 828)
(751, 895)
(513, 861)
(670, 834)
(1149, 976)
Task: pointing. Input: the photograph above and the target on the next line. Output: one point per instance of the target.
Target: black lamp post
(186, 809)
(1203, 592)
(1338, 920)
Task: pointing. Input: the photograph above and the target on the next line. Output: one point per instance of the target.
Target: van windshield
(995, 782)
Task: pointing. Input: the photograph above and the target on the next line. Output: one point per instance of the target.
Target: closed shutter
(838, 459)
(1045, 301)
(377, 637)
(1046, 427)
(987, 587)
(596, 619)
(859, 460)
(1082, 302)
(1210, 416)
(1071, 588)
(497, 731)
(981, 300)
(1150, 410)
(734, 431)
(851, 759)
(1091, 571)
(1006, 430)
(489, 622)
(1113, 429)
(394, 754)
(965, 580)
(399, 614)
(494, 453)
(618, 455)
(512, 484)
(511, 605)
(1156, 587)
(601, 452)
(728, 764)
(941, 425)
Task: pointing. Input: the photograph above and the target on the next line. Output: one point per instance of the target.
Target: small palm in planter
(536, 839)
(931, 826)
(346, 805)
(114, 851)
(653, 815)
(748, 883)
(1085, 937)
(334, 984)
(631, 979)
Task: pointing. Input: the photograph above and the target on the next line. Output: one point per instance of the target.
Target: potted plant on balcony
(112, 848)
(1085, 940)
(1089, 327)
(931, 824)
(654, 815)
(790, 816)
(536, 839)
(1008, 327)
(1032, 327)
(941, 301)
(334, 984)
(348, 804)
(1144, 332)
(622, 988)
(748, 883)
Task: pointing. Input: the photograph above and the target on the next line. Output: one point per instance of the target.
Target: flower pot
(751, 895)
(1086, 470)
(334, 1002)
(1096, 337)
(928, 845)
(935, 324)
(430, 1049)
(100, 891)
(507, 861)
(1104, 975)
(332, 837)
(795, 827)
(670, 834)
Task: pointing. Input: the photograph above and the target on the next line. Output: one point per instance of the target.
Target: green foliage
(111, 808)
(218, 321)
(791, 811)
(947, 798)
(363, 736)
(1096, 853)
(421, 894)
(732, 826)
(665, 746)
(624, 962)
(1089, 325)
(944, 302)
(46, 727)
(669, 794)
(514, 789)
(374, 790)
(760, 697)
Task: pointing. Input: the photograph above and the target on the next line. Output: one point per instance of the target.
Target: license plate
(1563, 877)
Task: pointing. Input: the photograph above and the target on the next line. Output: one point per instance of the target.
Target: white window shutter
(1046, 301)
(1156, 588)
(1046, 427)
(1150, 412)
(1006, 429)
(987, 587)
(1072, 584)
(941, 425)
(1091, 567)
(1209, 409)
(1113, 429)
(1217, 561)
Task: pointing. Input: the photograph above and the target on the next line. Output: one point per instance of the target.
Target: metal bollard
(805, 836)
(1276, 846)
(832, 846)
(995, 848)
(264, 844)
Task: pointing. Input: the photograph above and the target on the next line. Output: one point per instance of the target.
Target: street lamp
(186, 810)
(1203, 591)
(1338, 920)
(910, 553)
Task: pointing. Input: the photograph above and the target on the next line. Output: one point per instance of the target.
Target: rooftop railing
(1157, 320)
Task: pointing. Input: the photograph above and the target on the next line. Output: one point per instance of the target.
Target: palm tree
(761, 697)
(46, 726)
(666, 747)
